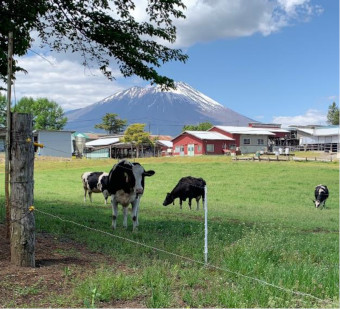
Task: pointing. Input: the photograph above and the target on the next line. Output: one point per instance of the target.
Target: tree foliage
(136, 135)
(203, 126)
(3, 109)
(333, 114)
(47, 115)
(111, 124)
(102, 31)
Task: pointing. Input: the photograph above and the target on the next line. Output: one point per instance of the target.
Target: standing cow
(321, 194)
(126, 186)
(187, 187)
(95, 182)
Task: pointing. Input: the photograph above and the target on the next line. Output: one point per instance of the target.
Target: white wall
(253, 146)
(56, 143)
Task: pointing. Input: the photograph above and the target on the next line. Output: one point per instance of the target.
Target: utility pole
(8, 132)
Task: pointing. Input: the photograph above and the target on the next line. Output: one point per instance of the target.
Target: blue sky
(270, 60)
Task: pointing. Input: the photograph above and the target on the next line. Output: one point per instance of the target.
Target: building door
(191, 149)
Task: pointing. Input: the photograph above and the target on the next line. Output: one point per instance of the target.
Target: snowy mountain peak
(165, 112)
(182, 89)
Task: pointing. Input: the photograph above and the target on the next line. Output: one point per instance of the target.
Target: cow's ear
(149, 173)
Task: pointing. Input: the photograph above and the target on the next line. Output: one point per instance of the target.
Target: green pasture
(262, 224)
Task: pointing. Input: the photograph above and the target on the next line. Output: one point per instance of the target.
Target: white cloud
(208, 20)
(66, 82)
(312, 116)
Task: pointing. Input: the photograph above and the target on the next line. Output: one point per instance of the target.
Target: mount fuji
(163, 112)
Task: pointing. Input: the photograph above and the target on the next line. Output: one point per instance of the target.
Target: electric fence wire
(208, 265)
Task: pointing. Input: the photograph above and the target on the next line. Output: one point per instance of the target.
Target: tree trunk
(21, 172)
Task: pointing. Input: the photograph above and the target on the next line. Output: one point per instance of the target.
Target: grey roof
(102, 142)
(245, 130)
(209, 135)
(165, 143)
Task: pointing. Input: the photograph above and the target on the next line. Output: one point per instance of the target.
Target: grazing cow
(187, 187)
(321, 194)
(95, 182)
(126, 186)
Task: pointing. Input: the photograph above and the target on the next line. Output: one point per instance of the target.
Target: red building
(201, 142)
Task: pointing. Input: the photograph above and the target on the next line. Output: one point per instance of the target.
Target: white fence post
(205, 225)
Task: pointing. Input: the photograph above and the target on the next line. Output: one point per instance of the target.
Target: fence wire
(208, 265)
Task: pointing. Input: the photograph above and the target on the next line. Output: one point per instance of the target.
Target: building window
(182, 148)
(199, 148)
(246, 141)
(260, 141)
(210, 147)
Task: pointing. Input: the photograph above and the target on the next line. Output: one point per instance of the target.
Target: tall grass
(262, 223)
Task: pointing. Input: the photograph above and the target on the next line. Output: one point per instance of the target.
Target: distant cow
(321, 194)
(187, 187)
(95, 182)
(126, 186)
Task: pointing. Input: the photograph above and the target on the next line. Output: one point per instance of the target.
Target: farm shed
(246, 139)
(101, 148)
(319, 138)
(56, 143)
(201, 142)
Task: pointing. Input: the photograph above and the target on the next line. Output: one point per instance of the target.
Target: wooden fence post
(21, 197)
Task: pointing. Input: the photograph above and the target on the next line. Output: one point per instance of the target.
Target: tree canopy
(203, 126)
(111, 124)
(103, 32)
(333, 114)
(47, 115)
(136, 135)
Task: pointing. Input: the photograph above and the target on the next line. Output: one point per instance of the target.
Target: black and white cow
(126, 186)
(95, 182)
(187, 187)
(321, 194)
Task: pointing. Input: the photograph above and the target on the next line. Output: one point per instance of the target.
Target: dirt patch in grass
(59, 266)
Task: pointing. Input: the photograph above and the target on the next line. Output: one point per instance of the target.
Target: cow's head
(139, 174)
(168, 199)
(317, 203)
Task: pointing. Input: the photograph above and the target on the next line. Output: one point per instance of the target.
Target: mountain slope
(163, 112)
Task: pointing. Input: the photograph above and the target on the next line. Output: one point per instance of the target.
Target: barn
(246, 139)
(193, 143)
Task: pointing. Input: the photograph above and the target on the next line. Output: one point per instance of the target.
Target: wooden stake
(22, 218)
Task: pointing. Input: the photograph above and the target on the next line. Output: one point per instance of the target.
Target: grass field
(262, 224)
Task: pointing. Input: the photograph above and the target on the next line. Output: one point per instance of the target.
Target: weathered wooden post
(21, 196)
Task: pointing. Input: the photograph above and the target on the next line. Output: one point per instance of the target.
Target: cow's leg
(114, 212)
(137, 222)
(90, 196)
(180, 203)
(85, 191)
(190, 203)
(125, 215)
(198, 201)
(134, 214)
